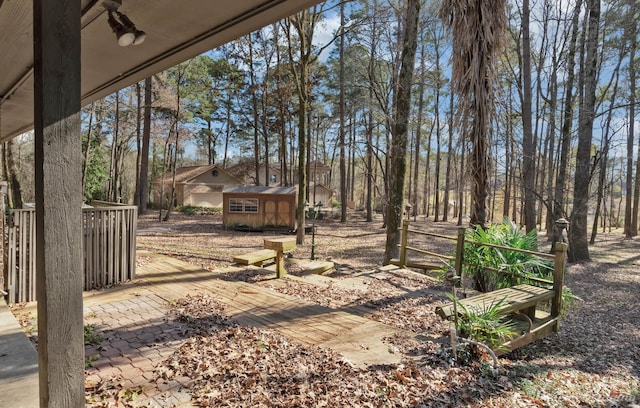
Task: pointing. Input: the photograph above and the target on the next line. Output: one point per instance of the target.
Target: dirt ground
(593, 362)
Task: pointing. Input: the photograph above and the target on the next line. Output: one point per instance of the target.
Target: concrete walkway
(18, 364)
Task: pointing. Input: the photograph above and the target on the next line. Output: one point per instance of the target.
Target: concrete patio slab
(18, 364)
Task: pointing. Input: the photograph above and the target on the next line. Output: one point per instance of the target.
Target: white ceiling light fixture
(124, 29)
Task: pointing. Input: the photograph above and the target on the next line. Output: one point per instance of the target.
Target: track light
(124, 36)
(128, 24)
(124, 29)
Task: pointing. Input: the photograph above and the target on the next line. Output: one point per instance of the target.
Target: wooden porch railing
(109, 242)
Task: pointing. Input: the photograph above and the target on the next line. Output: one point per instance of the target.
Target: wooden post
(558, 280)
(459, 251)
(280, 245)
(58, 196)
(403, 244)
(4, 276)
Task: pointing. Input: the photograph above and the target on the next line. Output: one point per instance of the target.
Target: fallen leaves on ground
(594, 361)
(229, 366)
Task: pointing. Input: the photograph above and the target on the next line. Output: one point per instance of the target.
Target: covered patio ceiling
(175, 32)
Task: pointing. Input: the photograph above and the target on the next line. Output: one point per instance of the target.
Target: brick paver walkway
(136, 334)
(137, 331)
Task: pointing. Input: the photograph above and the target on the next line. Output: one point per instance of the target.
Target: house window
(243, 205)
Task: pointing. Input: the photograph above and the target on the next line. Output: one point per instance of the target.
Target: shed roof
(260, 190)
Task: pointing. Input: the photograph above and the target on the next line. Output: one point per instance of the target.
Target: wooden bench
(520, 301)
(274, 248)
(256, 258)
(521, 298)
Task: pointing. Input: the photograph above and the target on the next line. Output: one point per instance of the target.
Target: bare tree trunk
(254, 104)
(436, 175)
(399, 143)
(563, 168)
(87, 147)
(114, 179)
(528, 148)
(143, 184)
(304, 24)
(604, 153)
(343, 171)
(15, 188)
(631, 136)
(578, 222)
(139, 115)
(421, 83)
(462, 178)
(447, 181)
(370, 125)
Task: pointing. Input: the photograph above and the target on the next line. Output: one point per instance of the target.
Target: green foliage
(194, 210)
(97, 174)
(91, 337)
(568, 299)
(89, 361)
(485, 325)
(513, 267)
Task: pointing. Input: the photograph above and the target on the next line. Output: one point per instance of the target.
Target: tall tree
(633, 39)
(398, 156)
(304, 24)
(565, 142)
(11, 170)
(341, 130)
(578, 243)
(528, 146)
(478, 27)
(142, 185)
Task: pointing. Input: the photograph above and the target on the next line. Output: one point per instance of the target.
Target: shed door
(284, 208)
(276, 213)
(270, 213)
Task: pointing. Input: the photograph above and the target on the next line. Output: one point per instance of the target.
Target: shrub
(485, 324)
(194, 210)
(509, 267)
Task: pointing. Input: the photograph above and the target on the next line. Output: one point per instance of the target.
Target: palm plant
(493, 268)
(484, 324)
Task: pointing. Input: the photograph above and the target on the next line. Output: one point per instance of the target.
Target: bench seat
(255, 257)
(514, 299)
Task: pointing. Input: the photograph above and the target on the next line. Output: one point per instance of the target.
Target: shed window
(243, 205)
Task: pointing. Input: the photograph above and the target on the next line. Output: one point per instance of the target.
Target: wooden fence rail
(109, 242)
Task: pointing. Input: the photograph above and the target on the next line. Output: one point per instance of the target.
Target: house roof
(260, 190)
(319, 185)
(243, 169)
(319, 166)
(188, 173)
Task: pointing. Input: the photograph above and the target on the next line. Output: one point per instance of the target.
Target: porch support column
(58, 194)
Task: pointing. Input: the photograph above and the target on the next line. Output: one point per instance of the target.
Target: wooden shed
(259, 208)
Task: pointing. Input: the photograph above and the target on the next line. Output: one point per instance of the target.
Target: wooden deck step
(255, 257)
